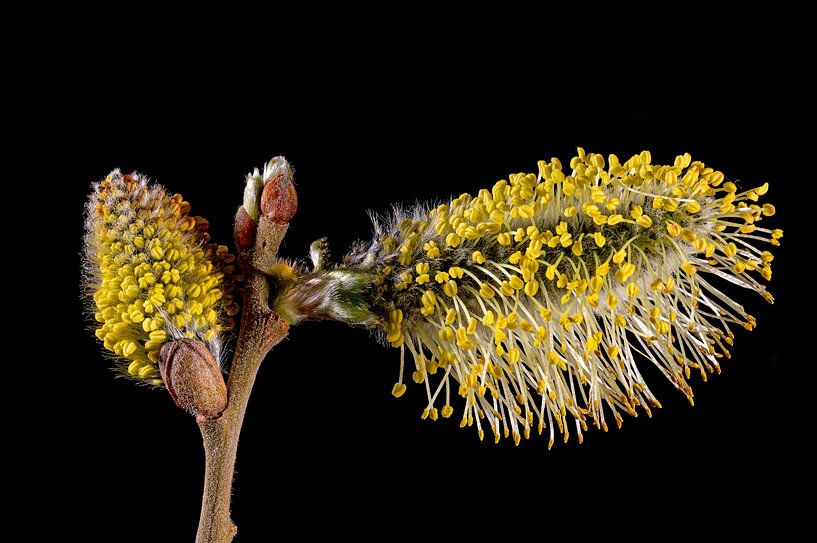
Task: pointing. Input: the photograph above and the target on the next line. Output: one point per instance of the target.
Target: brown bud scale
(244, 231)
(279, 200)
(193, 378)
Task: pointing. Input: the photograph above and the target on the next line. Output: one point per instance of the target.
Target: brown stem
(261, 329)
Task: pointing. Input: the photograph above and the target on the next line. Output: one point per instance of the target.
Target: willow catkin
(537, 300)
(152, 275)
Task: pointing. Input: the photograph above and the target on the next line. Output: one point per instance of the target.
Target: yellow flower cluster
(152, 274)
(538, 295)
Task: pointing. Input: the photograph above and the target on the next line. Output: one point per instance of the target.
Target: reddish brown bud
(193, 378)
(279, 201)
(245, 227)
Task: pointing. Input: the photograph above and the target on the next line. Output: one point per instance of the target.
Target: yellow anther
(477, 257)
(431, 249)
(599, 239)
(516, 283)
(590, 209)
(148, 371)
(688, 235)
(619, 256)
(514, 355)
(577, 248)
(446, 334)
(612, 301)
(625, 272)
(596, 283)
(450, 316)
(531, 288)
(525, 211)
(486, 291)
(612, 351)
(644, 221)
(398, 389)
(566, 239)
(450, 289)
(597, 195)
(396, 316)
(688, 268)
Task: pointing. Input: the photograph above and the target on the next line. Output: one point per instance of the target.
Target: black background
(323, 438)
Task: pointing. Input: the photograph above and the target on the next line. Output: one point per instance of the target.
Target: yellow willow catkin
(151, 273)
(534, 300)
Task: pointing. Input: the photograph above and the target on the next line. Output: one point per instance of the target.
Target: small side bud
(245, 228)
(193, 378)
(252, 195)
(319, 254)
(279, 201)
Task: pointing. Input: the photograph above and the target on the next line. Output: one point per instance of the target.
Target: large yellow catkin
(535, 295)
(152, 273)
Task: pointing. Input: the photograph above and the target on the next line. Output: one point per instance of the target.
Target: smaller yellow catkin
(152, 275)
